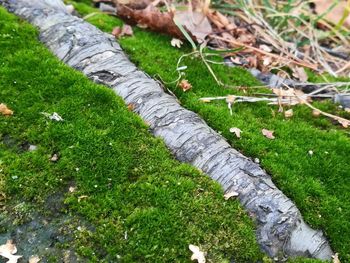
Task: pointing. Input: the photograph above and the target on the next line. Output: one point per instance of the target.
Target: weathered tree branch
(280, 227)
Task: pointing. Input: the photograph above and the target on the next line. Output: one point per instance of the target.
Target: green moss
(144, 205)
(318, 184)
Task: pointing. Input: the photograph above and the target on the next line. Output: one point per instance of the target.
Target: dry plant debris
(273, 35)
(8, 251)
(288, 113)
(236, 131)
(268, 134)
(125, 30)
(54, 116)
(185, 85)
(34, 259)
(336, 258)
(197, 254)
(231, 194)
(175, 42)
(4, 110)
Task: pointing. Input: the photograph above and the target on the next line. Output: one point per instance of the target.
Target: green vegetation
(143, 205)
(319, 183)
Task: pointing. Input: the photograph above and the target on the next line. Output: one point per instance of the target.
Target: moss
(143, 205)
(318, 184)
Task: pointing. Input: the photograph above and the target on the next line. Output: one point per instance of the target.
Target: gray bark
(281, 230)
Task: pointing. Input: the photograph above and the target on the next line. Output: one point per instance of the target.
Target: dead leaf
(197, 254)
(236, 131)
(131, 106)
(299, 73)
(345, 123)
(126, 30)
(316, 113)
(335, 14)
(230, 194)
(268, 134)
(288, 113)
(34, 259)
(185, 85)
(54, 158)
(335, 258)
(151, 18)
(175, 42)
(54, 116)
(195, 22)
(8, 250)
(5, 110)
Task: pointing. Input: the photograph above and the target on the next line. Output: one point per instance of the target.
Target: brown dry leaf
(175, 42)
(316, 113)
(197, 254)
(5, 110)
(268, 134)
(34, 259)
(131, 106)
(345, 123)
(335, 258)
(126, 30)
(195, 22)
(336, 14)
(230, 194)
(236, 131)
(288, 113)
(299, 73)
(151, 18)
(8, 250)
(185, 85)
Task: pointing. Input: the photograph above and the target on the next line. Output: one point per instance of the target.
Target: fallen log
(281, 230)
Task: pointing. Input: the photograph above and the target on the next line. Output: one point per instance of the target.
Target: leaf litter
(290, 35)
(4, 110)
(197, 255)
(8, 251)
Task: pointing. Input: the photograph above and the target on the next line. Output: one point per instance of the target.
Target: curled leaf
(231, 194)
(185, 85)
(8, 250)
(34, 259)
(236, 131)
(197, 254)
(268, 134)
(175, 42)
(125, 30)
(316, 113)
(288, 113)
(4, 110)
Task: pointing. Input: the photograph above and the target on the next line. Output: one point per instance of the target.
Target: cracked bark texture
(281, 230)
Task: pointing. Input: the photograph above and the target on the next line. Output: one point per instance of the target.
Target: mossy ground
(143, 205)
(319, 184)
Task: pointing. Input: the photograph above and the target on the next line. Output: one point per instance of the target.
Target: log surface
(281, 230)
